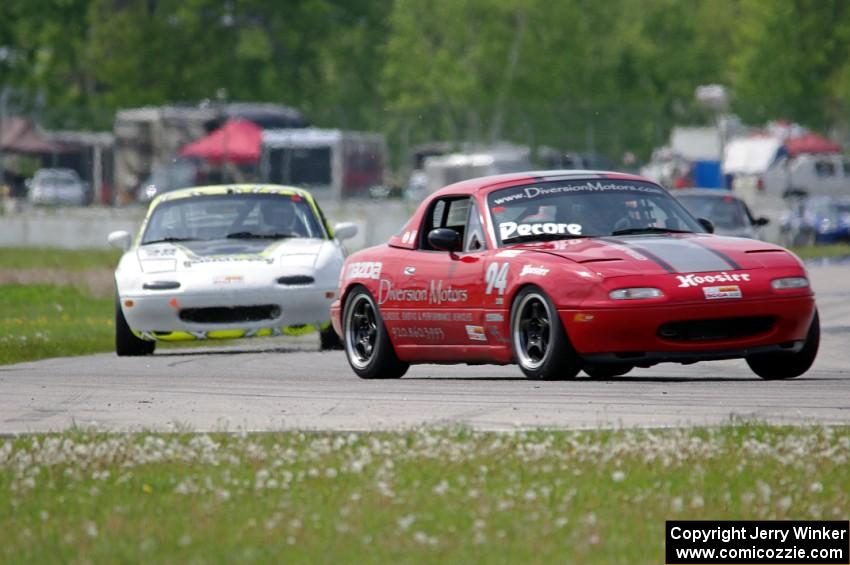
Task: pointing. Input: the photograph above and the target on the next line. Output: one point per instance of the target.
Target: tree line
(602, 75)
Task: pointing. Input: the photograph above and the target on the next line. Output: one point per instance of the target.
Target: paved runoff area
(286, 384)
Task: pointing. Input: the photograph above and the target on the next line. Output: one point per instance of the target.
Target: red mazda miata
(563, 271)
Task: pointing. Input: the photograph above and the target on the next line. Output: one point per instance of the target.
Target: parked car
(819, 219)
(566, 271)
(730, 215)
(58, 186)
(227, 262)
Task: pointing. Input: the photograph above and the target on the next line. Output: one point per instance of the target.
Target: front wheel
(126, 342)
(367, 344)
(779, 366)
(538, 339)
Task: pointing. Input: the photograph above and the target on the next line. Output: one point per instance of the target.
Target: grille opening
(721, 328)
(296, 280)
(230, 315)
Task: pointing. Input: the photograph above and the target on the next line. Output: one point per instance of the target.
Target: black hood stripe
(649, 255)
(676, 255)
(732, 262)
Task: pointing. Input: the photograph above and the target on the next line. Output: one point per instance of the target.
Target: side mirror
(120, 239)
(761, 221)
(345, 230)
(444, 239)
(707, 224)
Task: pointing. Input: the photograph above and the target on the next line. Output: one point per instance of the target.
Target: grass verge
(60, 259)
(835, 250)
(42, 320)
(417, 496)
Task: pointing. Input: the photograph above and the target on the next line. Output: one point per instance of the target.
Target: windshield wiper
(542, 237)
(630, 231)
(252, 235)
(169, 240)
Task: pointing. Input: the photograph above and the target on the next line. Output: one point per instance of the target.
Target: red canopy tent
(811, 143)
(237, 141)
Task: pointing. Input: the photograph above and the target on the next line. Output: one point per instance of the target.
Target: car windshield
(586, 208)
(725, 211)
(233, 216)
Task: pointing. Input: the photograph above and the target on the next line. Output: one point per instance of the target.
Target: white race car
(226, 262)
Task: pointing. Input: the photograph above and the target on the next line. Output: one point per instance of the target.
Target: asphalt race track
(272, 385)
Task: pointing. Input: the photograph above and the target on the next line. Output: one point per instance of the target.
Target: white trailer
(340, 164)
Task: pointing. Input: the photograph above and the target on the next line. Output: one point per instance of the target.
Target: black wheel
(607, 370)
(126, 342)
(778, 366)
(538, 339)
(328, 339)
(367, 344)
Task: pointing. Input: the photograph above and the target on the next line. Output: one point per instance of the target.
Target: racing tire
(328, 340)
(540, 344)
(781, 365)
(367, 343)
(607, 370)
(126, 342)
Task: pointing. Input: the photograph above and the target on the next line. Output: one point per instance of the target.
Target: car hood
(660, 254)
(211, 255)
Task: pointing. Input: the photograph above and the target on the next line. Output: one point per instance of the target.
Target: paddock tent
(237, 141)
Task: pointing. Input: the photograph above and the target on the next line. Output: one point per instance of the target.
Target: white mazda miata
(227, 262)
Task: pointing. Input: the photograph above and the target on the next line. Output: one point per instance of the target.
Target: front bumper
(632, 333)
(157, 314)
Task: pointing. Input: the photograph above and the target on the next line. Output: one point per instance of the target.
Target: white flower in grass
(618, 476)
(530, 495)
(184, 541)
(91, 529)
(406, 521)
(785, 503)
(676, 504)
(816, 487)
(441, 488)
(561, 522)
(697, 502)
(330, 473)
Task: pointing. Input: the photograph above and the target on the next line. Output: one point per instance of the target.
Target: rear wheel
(367, 344)
(607, 370)
(778, 366)
(126, 342)
(538, 339)
(328, 339)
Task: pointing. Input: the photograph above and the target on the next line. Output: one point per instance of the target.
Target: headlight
(639, 293)
(789, 282)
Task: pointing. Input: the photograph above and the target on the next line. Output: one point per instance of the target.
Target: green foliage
(581, 75)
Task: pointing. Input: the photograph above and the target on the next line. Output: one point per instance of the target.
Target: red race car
(562, 271)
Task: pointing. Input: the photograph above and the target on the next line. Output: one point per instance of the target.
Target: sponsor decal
(438, 293)
(430, 316)
(715, 292)
(509, 253)
(531, 192)
(174, 304)
(493, 317)
(229, 279)
(508, 230)
(427, 333)
(476, 333)
(686, 281)
(159, 252)
(532, 270)
(229, 259)
(365, 270)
